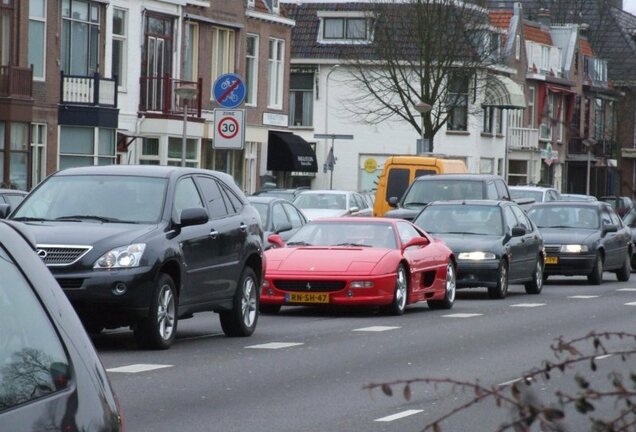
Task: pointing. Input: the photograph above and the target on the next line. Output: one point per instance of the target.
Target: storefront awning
(502, 92)
(289, 152)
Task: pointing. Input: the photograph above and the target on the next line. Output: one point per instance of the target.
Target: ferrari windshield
(565, 217)
(336, 233)
(102, 198)
(461, 219)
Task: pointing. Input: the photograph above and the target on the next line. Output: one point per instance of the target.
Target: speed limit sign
(229, 128)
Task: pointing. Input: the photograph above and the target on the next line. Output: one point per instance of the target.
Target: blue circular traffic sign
(229, 90)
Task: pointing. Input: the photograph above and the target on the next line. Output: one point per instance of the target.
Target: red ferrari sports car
(358, 261)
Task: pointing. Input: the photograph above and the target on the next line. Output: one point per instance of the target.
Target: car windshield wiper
(353, 244)
(92, 217)
(298, 243)
(29, 219)
(415, 203)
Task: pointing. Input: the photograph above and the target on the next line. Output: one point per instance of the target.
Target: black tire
(536, 284)
(501, 290)
(159, 329)
(596, 276)
(269, 309)
(451, 290)
(623, 273)
(241, 320)
(401, 292)
(633, 261)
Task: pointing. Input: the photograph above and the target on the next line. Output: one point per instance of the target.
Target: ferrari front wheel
(401, 292)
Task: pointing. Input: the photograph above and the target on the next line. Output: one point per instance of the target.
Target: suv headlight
(476, 256)
(575, 248)
(121, 257)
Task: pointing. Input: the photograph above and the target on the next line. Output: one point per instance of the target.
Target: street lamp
(423, 108)
(589, 143)
(185, 92)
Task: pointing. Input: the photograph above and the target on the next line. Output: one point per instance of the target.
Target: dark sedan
(494, 241)
(583, 238)
(143, 246)
(51, 378)
(630, 221)
(278, 216)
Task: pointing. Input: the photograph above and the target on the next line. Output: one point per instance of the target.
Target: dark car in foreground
(583, 238)
(51, 378)
(494, 241)
(630, 221)
(143, 246)
(447, 187)
(278, 216)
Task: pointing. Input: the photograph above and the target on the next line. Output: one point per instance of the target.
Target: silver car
(332, 203)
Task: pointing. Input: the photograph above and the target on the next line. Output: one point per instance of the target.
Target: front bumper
(569, 264)
(477, 273)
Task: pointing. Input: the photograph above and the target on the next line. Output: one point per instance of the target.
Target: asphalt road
(304, 370)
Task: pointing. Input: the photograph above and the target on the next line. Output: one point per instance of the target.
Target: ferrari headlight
(476, 256)
(121, 257)
(575, 248)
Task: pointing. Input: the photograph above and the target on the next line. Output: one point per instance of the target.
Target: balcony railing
(158, 95)
(16, 82)
(603, 148)
(88, 90)
(523, 138)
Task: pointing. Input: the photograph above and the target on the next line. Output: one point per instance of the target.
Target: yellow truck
(400, 171)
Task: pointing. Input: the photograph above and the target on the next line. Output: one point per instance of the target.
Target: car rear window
(397, 183)
(423, 192)
(33, 363)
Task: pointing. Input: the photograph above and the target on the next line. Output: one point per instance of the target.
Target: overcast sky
(630, 6)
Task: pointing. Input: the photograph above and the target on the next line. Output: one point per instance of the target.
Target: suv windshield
(423, 192)
(100, 198)
(537, 196)
(461, 219)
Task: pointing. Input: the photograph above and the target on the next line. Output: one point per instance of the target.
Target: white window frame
(123, 38)
(252, 79)
(276, 6)
(42, 20)
(150, 157)
(532, 92)
(545, 58)
(193, 163)
(38, 152)
(228, 50)
(194, 39)
(275, 73)
(95, 156)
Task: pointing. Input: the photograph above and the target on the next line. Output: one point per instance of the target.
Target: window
(34, 363)
(228, 161)
(397, 183)
(545, 59)
(599, 119)
(213, 197)
(191, 49)
(545, 129)
(80, 37)
(457, 103)
(149, 152)
(174, 152)
(406, 232)
(6, 16)
(338, 29)
(37, 40)
(530, 108)
(18, 154)
(517, 172)
(222, 51)
(275, 73)
(279, 217)
(486, 165)
(295, 218)
(489, 119)
(251, 70)
(120, 49)
(38, 151)
(301, 99)
(186, 196)
(86, 146)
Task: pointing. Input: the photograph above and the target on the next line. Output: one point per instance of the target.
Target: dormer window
(275, 6)
(350, 28)
(251, 3)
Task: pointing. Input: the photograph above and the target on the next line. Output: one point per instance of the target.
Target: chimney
(543, 17)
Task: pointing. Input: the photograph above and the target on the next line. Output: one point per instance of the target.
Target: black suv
(446, 187)
(142, 246)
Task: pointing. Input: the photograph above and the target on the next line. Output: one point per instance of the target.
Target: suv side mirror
(393, 201)
(354, 209)
(193, 216)
(608, 228)
(5, 209)
(518, 231)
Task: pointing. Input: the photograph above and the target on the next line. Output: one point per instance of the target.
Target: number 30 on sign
(229, 131)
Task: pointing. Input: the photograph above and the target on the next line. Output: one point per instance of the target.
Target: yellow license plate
(307, 297)
(551, 260)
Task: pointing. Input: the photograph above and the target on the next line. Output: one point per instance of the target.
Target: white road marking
(630, 304)
(136, 368)
(583, 296)
(462, 315)
(507, 383)
(376, 329)
(601, 357)
(527, 305)
(398, 415)
(626, 289)
(275, 345)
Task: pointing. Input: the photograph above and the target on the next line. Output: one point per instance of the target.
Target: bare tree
(423, 51)
(528, 409)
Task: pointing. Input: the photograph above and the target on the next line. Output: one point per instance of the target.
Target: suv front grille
(61, 255)
(309, 285)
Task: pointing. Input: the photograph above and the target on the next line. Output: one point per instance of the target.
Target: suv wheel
(159, 329)
(241, 319)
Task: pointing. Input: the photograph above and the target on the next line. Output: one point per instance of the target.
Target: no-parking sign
(229, 131)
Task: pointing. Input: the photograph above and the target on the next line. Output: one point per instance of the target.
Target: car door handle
(214, 234)
(243, 227)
